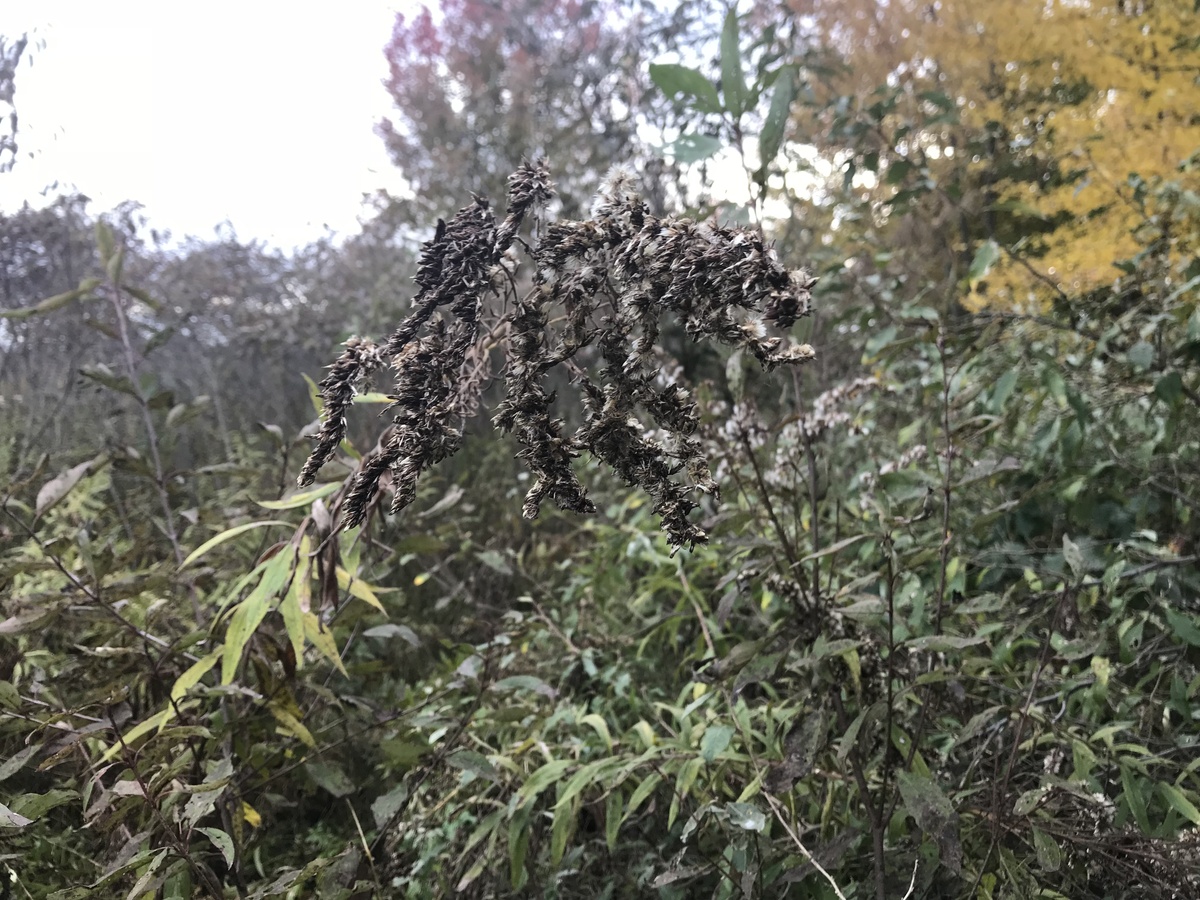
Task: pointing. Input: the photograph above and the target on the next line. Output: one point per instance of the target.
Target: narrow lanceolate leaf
(302, 499)
(588, 775)
(322, 639)
(192, 676)
(250, 612)
(225, 536)
(1074, 557)
(543, 778)
(296, 602)
(733, 82)
(83, 292)
(156, 721)
(775, 125)
(54, 490)
(641, 792)
(934, 815)
(1180, 803)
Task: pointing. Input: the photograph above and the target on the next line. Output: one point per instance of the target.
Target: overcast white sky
(259, 112)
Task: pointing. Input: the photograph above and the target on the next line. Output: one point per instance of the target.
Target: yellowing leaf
(297, 600)
(321, 639)
(191, 677)
(289, 724)
(156, 721)
(250, 814)
(302, 499)
(359, 589)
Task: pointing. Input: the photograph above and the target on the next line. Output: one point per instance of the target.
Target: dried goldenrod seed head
(605, 283)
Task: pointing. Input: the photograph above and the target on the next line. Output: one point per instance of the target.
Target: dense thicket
(944, 638)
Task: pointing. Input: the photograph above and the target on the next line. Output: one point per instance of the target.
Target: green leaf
(746, 816)
(1048, 852)
(837, 547)
(102, 374)
(934, 814)
(518, 846)
(1180, 803)
(641, 792)
(389, 804)
(1074, 558)
(684, 781)
(154, 723)
(330, 777)
(733, 83)
(1183, 626)
(524, 683)
(543, 778)
(1169, 388)
(10, 819)
(476, 763)
(142, 885)
(985, 257)
(879, 340)
(587, 775)
(714, 742)
(850, 739)
(560, 830)
(83, 292)
(248, 614)
(225, 536)
(770, 139)
(17, 761)
(600, 727)
(185, 412)
(221, 841)
(1141, 356)
(612, 818)
(673, 80)
(1132, 789)
(691, 148)
(390, 630)
(1003, 390)
(105, 242)
(372, 397)
(494, 561)
(940, 643)
(1029, 800)
(34, 806)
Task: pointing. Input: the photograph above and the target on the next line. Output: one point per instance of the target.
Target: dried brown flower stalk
(609, 281)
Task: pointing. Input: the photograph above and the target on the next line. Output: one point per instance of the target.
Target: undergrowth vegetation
(939, 635)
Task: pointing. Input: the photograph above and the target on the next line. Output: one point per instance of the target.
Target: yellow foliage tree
(1086, 93)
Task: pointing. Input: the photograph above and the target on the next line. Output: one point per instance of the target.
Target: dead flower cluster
(600, 291)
